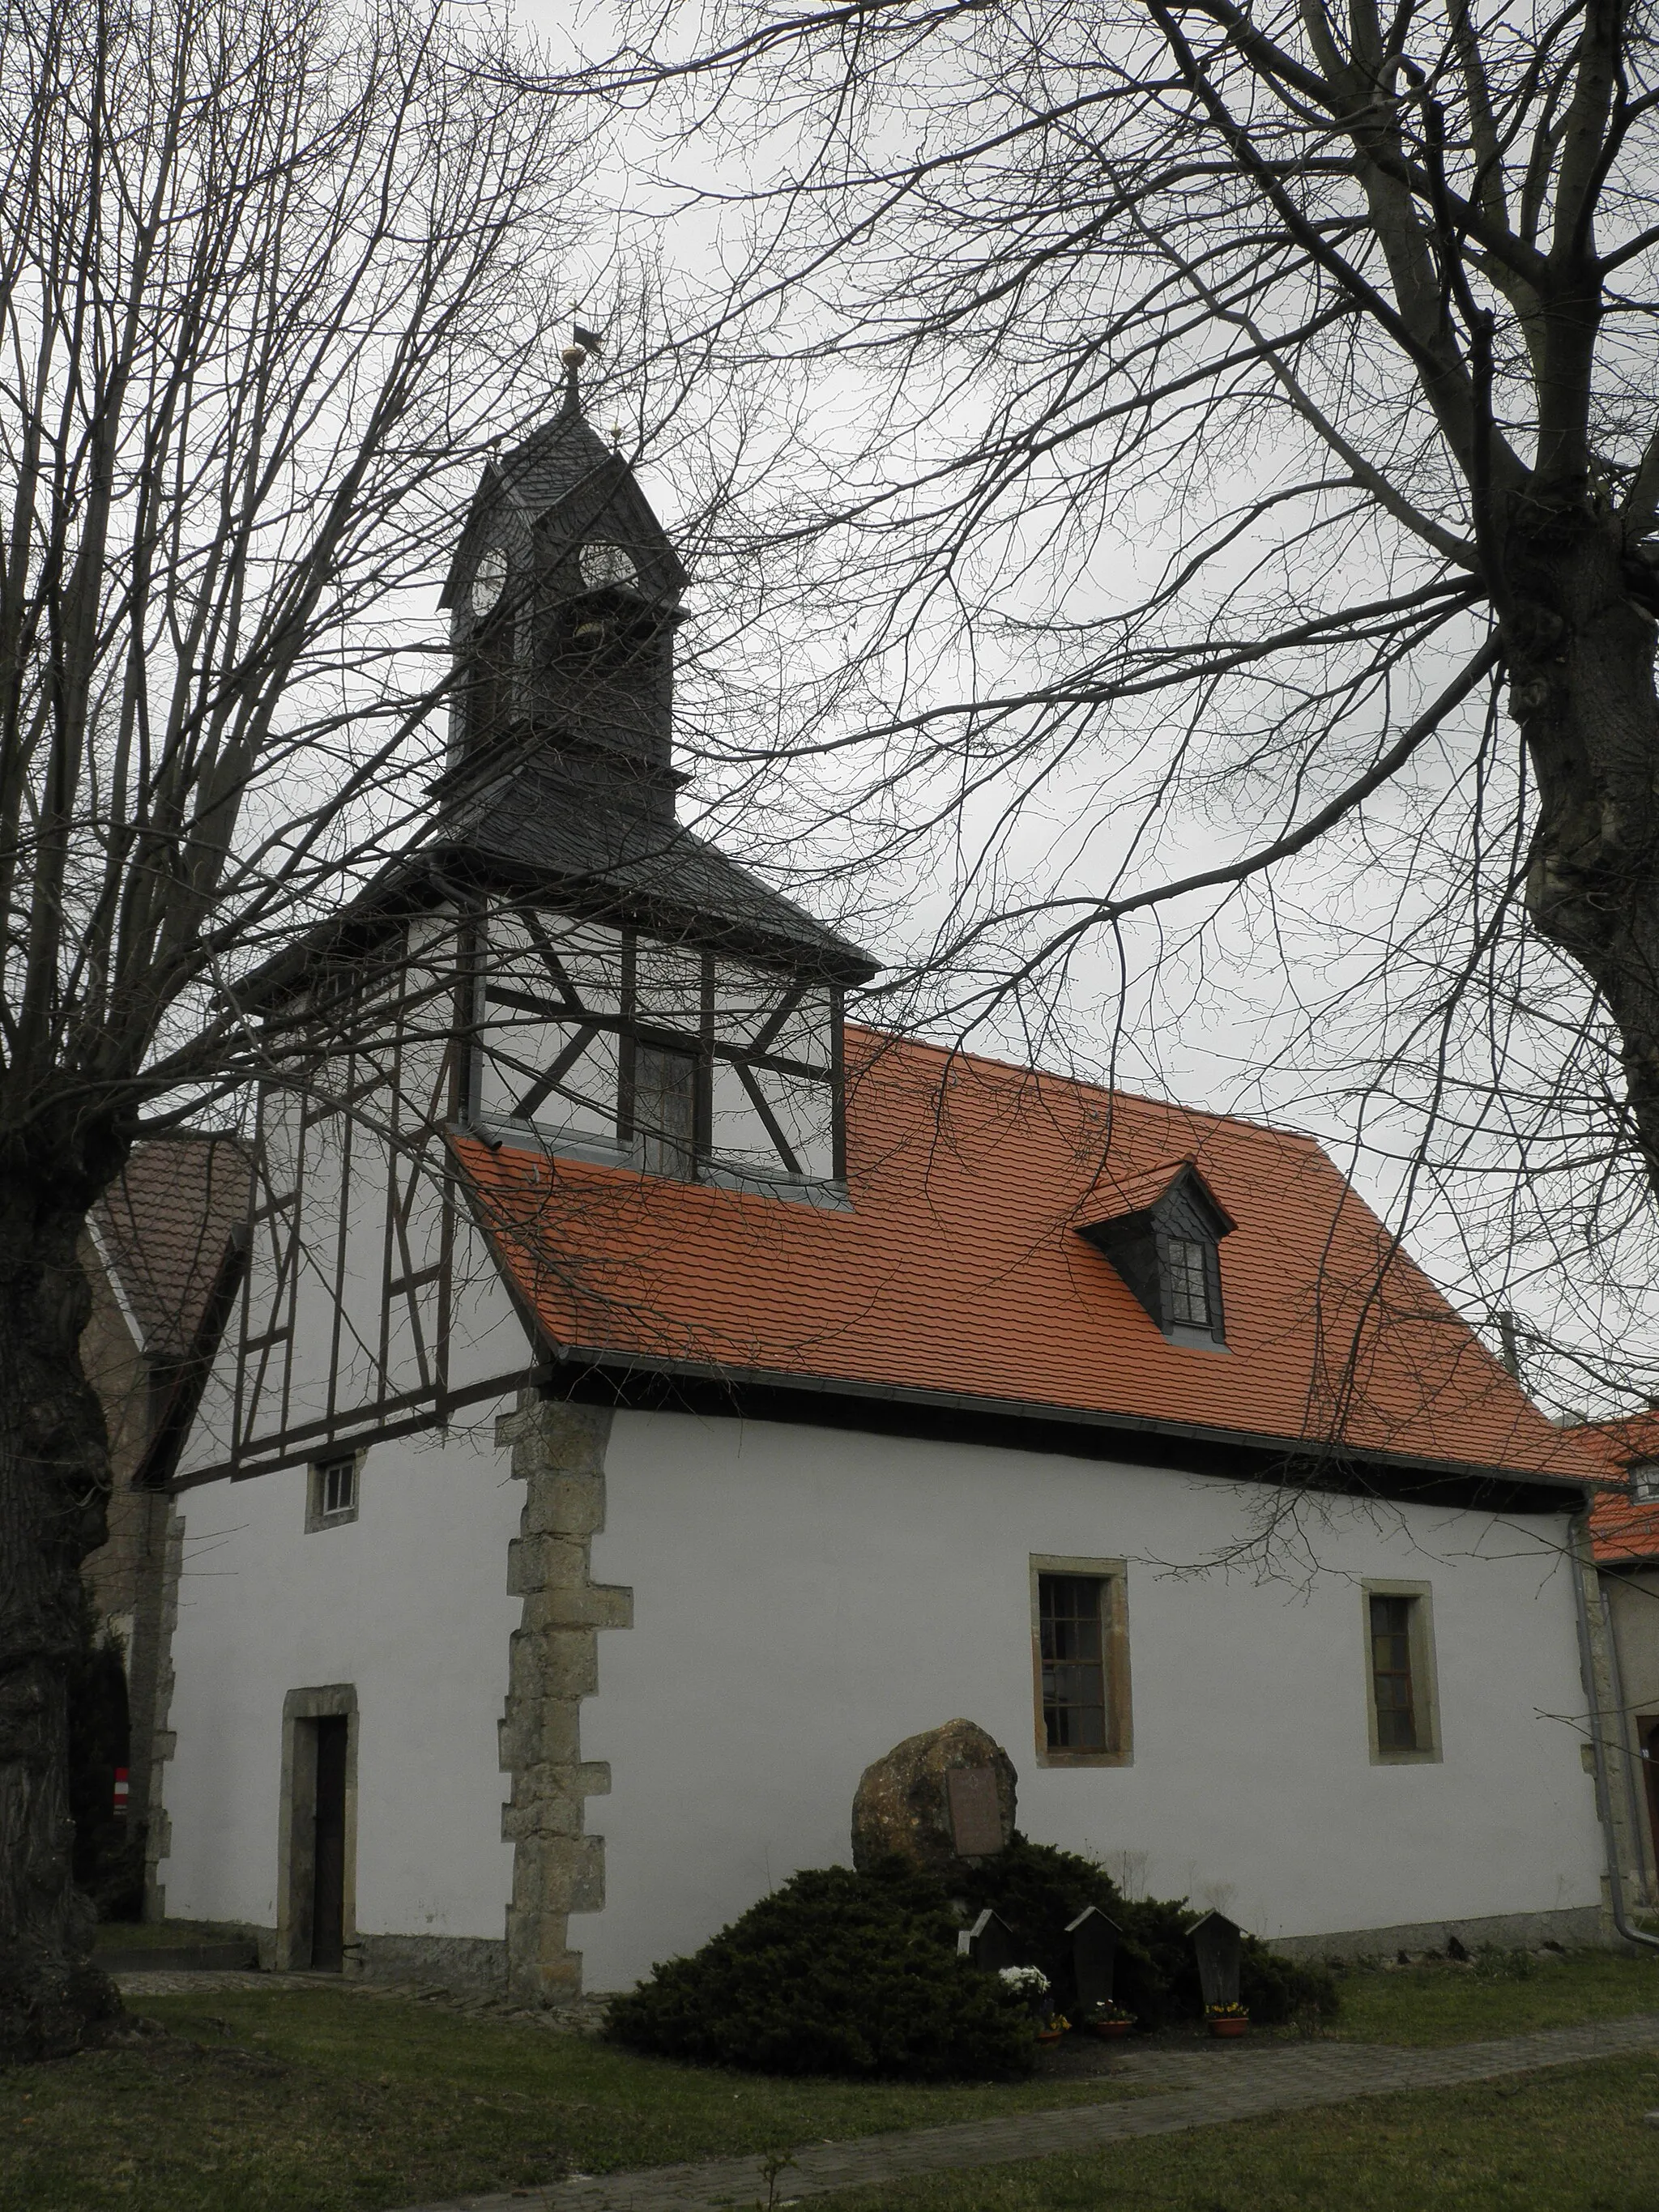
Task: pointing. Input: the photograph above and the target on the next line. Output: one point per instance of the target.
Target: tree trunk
(54, 1487)
(1580, 641)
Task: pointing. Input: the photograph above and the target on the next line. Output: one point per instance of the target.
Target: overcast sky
(1278, 1011)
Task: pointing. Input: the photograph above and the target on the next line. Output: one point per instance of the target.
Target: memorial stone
(936, 1799)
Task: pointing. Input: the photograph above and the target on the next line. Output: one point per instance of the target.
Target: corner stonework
(558, 1453)
(163, 1739)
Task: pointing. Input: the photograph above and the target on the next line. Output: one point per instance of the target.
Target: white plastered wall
(803, 1599)
(409, 1604)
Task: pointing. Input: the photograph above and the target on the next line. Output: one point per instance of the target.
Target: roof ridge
(1083, 1083)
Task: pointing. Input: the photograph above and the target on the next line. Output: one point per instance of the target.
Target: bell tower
(634, 998)
(563, 596)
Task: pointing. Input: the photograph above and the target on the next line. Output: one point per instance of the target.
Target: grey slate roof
(565, 460)
(585, 841)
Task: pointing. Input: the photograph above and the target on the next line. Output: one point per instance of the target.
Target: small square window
(1189, 1287)
(1399, 1662)
(332, 1491)
(1080, 1648)
(1644, 1482)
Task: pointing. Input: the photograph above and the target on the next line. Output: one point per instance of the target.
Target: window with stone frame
(1072, 1610)
(1400, 1673)
(1391, 1673)
(1080, 1647)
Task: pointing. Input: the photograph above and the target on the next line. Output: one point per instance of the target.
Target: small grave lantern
(1217, 1943)
(987, 1944)
(1094, 1956)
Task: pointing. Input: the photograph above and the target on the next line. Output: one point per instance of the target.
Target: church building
(652, 1395)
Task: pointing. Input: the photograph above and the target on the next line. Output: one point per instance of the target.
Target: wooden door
(328, 1860)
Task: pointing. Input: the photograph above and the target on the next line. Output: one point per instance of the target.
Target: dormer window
(1644, 1482)
(1189, 1289)
(1165, 1243)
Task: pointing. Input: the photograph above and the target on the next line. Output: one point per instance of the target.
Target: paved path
(198, 1981)
(1201, 2089)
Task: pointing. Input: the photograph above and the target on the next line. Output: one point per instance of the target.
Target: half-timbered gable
(370, 1297)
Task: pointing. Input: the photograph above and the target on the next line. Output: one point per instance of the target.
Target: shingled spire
(564, 595)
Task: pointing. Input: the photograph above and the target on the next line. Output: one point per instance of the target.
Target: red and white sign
(120, 1793)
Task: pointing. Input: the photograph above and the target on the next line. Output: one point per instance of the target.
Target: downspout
(1582, 1557)
(1635, 1812)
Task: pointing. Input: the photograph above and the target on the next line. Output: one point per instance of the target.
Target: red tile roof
(164, 1227)
(1620, 1529)
(957, 1270)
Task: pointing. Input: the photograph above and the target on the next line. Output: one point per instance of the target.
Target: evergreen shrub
(836, 1972)
(840, 1973)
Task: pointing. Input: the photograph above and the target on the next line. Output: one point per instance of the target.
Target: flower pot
(1050, 2034)
(1108, 2031)
(1236, 2026)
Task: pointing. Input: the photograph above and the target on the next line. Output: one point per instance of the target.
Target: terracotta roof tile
(1619, 1528)
(957, 1270)
(164, 1227)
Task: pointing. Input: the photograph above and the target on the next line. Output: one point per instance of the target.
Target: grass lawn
(325, 2101)
(1500, 1993)
(1570, 2140)
(314, 2101)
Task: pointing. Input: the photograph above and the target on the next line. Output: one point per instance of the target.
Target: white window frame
(317, 1516)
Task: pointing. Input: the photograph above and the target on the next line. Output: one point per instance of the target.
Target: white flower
(1024, 1981)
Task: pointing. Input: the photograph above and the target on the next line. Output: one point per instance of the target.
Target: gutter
(619, 1361)
(1584, 1562)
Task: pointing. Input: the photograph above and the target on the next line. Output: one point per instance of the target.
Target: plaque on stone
(975, 1814)
(1216, 1945)
(1094, 1956)
(987, 1944)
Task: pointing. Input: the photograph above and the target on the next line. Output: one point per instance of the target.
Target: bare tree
(1182, 421)
(271, 278)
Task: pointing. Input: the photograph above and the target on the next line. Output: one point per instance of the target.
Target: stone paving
(1203, 2089)
(198, 1981)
